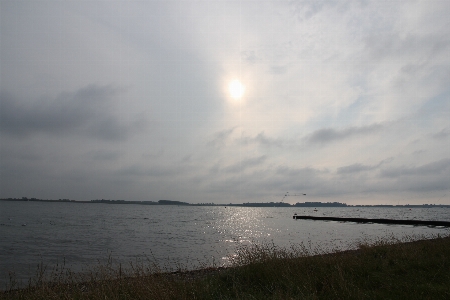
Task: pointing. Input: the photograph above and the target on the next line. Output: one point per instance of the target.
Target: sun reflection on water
(171, 235)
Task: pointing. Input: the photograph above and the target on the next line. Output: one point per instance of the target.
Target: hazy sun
(236, 89)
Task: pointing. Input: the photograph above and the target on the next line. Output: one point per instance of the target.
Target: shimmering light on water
(86, 234)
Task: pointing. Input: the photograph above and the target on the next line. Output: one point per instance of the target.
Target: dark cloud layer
(87, 111)
(328, 135)
(436, 168)
(357, 167)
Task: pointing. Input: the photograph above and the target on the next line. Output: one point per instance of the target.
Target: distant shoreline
(248, 204)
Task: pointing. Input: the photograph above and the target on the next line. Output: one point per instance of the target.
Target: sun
(236, 89)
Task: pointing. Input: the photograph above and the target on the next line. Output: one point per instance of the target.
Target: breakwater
(378, 221)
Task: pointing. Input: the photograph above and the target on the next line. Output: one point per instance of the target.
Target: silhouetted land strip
(378, 221)
(247, 204)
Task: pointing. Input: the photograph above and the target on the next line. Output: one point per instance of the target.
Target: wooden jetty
(378, 221)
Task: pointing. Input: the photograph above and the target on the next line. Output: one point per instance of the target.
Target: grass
(383, 269)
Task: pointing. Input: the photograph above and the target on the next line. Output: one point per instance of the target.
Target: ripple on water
(84, 234)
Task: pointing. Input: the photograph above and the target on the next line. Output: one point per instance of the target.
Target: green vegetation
(382, 269)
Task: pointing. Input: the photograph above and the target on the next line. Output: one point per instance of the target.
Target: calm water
(86, 234)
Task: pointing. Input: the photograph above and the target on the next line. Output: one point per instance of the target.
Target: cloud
(262, 140)
(305, 10)
(444, 133)
(238, 166)
(220, 138)
(332, 88)
(328, 135)
(427, 178)
(436, 168)
(307, 172)
(278, 70)
(87, 111)
(245, 164)
(357, 167)
(321, 136)
(103, 155)
(250, 56)
(395, 45)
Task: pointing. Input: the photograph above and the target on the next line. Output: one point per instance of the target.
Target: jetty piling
(378, 221)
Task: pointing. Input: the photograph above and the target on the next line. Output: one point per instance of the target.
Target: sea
(84, 235)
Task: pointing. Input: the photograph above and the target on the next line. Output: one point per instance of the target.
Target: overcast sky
(343, 100)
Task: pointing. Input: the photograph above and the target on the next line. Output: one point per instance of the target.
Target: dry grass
(382, 269)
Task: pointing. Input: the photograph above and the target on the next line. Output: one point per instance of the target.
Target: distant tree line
(247, 204)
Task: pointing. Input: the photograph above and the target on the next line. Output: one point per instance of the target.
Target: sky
(345, 101)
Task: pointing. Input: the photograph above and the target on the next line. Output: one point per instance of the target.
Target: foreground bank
(383, 269)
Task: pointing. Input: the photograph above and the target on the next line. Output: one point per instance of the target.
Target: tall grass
(386, 268)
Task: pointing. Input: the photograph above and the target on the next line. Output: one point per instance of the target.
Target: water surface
(82, 235)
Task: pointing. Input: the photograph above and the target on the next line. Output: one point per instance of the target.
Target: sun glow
(236, 89)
